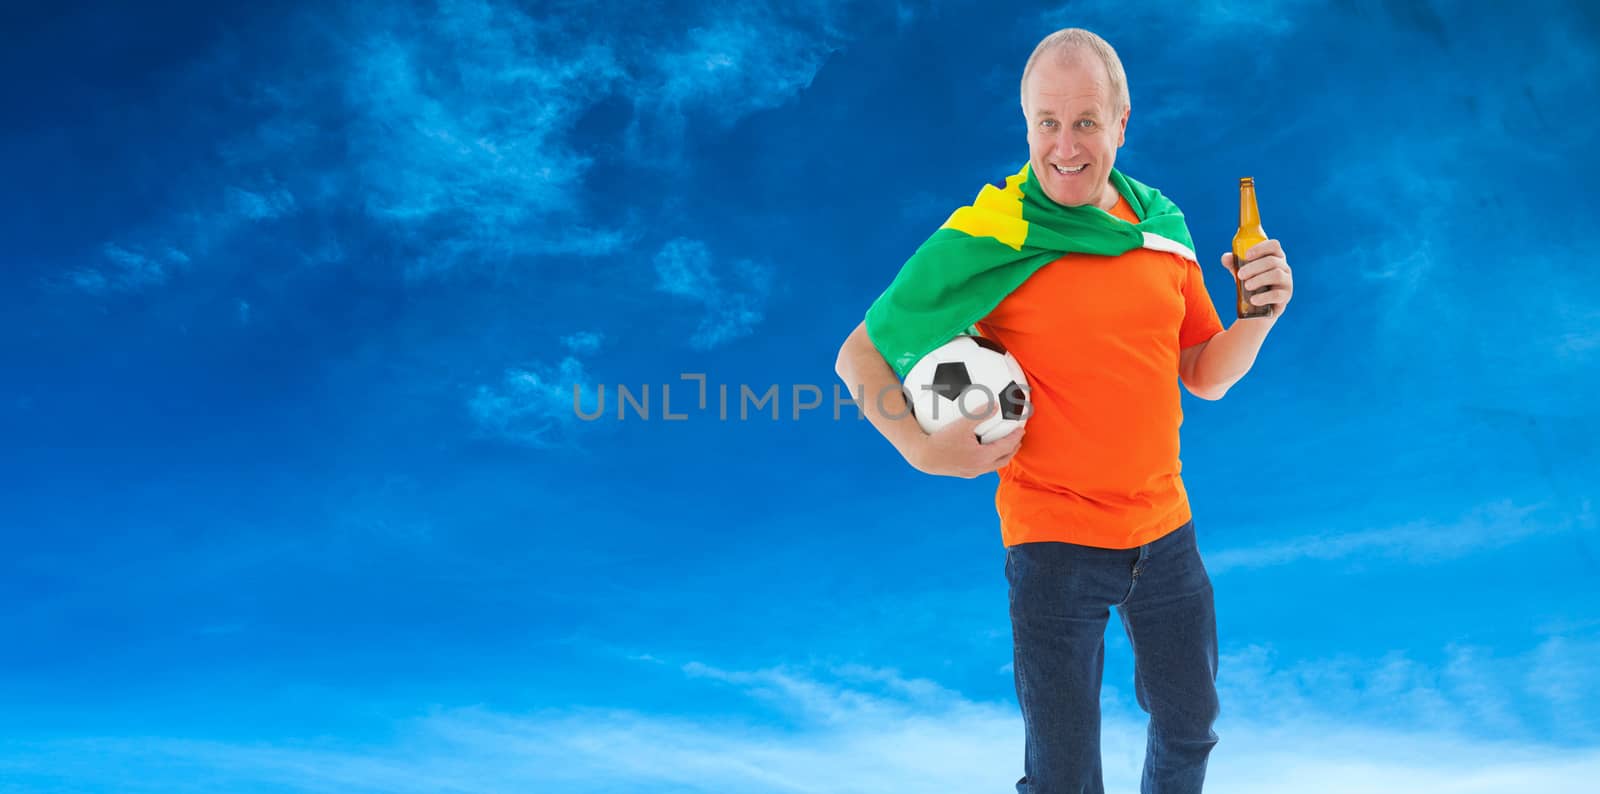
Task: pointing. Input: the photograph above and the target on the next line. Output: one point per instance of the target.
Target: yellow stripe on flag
(996, 212)
(981, 222)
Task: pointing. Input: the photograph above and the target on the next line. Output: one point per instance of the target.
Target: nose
(1066, 143)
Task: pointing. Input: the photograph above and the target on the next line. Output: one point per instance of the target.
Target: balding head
(1073, 41)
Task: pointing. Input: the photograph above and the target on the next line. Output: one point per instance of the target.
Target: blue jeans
(1061, 595)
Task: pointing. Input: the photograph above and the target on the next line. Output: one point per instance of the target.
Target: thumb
(1227, 262)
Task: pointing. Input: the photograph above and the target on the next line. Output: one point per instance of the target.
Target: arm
(873, 384)
(1210, 368)
(953, 451)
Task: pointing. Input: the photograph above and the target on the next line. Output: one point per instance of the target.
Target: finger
(1279, 296)
(1227, 262)
(1264, 248)
(1004, 445)
(1011, 442)
(1270, 277)
(1255, 267)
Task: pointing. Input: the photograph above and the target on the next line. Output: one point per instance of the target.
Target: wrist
(913, 449)
(1256, 325)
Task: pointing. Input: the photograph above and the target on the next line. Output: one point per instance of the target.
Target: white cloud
(452, 130)
(465, 118)
(583, 342)
(255, 206)
(460, 127)
(535, 405)
(683, 268)
(1581, 343)
(1561, 674)
(734, 302)
(841, 731)
(1490, 526)
(151, 257)
(128, 269)
(751, 58)
(1474, 691)
(1193, 22)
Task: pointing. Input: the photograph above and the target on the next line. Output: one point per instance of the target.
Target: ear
(1122, 126)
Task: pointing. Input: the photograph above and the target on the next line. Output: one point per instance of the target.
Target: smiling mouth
(1069, 171)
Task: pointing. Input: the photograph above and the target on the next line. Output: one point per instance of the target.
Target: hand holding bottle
(1263, 282)
(1266, 282)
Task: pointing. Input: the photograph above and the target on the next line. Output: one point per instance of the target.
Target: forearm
(876, 389)
(1229, 355)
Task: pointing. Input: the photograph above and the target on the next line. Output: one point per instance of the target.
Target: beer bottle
(1249, 234)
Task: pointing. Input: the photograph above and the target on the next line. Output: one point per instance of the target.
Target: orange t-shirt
(1099, 337)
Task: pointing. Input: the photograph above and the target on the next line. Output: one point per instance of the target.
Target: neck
(1108, 196)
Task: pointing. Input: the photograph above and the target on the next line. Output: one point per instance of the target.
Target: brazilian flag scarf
(987, 249)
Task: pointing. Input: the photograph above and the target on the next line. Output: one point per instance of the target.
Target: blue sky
(293, 302)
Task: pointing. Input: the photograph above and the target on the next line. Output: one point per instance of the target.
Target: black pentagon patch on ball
(950, 379)
(1013, 400)
(989, 344)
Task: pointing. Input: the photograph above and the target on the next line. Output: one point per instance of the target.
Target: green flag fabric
(988, 248)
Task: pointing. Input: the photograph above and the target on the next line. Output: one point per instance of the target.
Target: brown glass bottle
(1249, 234)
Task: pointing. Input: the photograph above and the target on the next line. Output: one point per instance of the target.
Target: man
(1092, 509)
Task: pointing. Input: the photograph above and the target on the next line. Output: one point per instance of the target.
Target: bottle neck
(1249, 215)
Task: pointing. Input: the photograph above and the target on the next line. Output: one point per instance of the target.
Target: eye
(1086, 123)
(1048, 123)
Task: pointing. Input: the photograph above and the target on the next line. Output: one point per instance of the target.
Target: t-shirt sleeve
(1200, 320)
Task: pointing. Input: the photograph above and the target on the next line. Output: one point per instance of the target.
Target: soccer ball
(961, 377)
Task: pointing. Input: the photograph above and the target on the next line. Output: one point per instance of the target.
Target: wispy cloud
(534, 405)
(1583, 343)
(451, 130)
(1471, 690)
(748, 58)
(152, 257)
(254, 206)
(842, 730)
(583, 342)
(733, 301)
(129, 269)
(461, 116)
(221, 213)
(1425, 270)
(1490, 526)
(1196, 21)
(1561, 674)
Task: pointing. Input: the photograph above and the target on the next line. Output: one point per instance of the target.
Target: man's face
(1072, 136)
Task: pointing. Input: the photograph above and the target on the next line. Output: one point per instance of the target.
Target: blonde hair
(1074, 39)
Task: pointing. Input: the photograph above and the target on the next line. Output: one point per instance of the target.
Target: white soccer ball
(961, 377)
